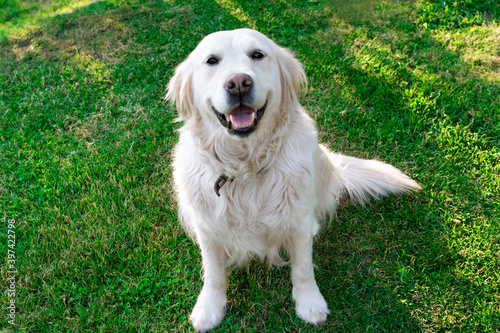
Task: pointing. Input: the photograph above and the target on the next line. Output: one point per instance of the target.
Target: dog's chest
(255, 219)
(274, 200)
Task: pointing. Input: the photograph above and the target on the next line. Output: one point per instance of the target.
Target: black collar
(223, 179)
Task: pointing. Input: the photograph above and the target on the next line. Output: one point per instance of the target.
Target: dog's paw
(311, 308)
(209, 310)
(206, 318)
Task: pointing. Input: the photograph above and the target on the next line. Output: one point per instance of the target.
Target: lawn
(90, 239)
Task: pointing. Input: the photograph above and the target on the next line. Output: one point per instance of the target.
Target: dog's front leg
(310, 305)
(211, 305)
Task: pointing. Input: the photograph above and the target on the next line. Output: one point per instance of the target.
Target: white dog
(251, 179)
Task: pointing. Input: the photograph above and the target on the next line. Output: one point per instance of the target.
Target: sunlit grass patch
(433, 14)
(477, 46)
(18, 18)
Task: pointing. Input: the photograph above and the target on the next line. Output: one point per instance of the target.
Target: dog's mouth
(242, 120)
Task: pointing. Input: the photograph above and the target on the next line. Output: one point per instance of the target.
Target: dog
(251, 179)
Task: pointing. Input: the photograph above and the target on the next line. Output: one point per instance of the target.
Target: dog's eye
(212, 61)
(257, 55)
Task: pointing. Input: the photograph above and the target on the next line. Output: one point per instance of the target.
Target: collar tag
(220, 182)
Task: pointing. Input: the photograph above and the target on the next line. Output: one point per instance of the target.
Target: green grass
(85, 142)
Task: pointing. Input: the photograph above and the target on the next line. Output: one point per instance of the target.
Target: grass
(85, 147)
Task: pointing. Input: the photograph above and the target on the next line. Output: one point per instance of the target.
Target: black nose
(238, 84)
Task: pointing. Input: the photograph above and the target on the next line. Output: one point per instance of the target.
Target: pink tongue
(242, 115)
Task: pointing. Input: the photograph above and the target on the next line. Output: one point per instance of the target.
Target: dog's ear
(180, 91)
(292, 75)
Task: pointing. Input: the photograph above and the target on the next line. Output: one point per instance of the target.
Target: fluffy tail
(362, 179)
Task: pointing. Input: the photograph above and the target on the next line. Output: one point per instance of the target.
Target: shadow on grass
(92, 81)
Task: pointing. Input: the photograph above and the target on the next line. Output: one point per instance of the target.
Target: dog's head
(236, 79)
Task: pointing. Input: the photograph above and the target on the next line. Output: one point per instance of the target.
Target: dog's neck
(242, 159)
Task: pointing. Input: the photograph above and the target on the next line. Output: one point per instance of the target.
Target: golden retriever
(250, 177)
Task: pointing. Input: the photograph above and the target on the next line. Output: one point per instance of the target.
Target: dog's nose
(238, 84)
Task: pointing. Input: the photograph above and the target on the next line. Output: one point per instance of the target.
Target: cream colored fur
(284, 182)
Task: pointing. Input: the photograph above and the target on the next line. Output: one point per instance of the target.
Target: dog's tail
(361, 179)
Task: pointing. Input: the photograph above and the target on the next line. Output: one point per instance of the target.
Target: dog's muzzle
(242, 120)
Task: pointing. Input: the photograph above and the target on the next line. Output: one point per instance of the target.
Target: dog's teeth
(231, 118)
